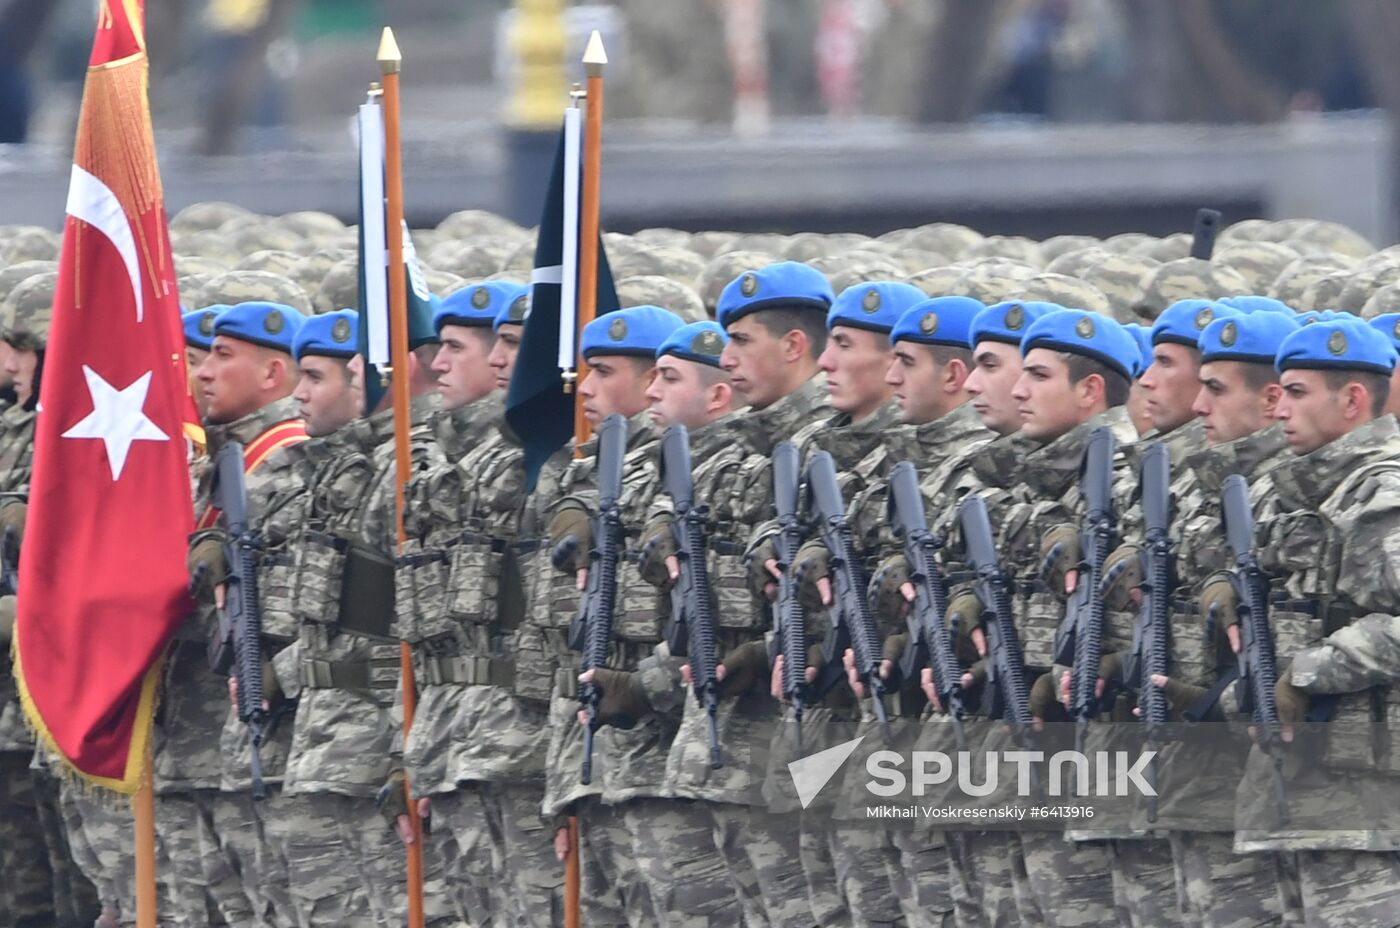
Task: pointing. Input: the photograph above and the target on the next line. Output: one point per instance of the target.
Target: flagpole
(390, 63)
(144, 813)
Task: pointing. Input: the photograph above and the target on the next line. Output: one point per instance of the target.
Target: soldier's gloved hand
(658, 546)
(763, 582)
(965, 609)
(571, 539)
(1292, 702)
(1043, 704)
(1059, 559)
(1122, 578)
(1110, 670)
(743, 667)
(207, 565)
(7, 620)
(886, 595)
(624, 701)
(812, 566)
(1182, 697)
(12, 515)
(393, 806)
(1220, 606)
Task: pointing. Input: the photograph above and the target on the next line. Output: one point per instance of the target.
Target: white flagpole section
(568, 290)
(372, 222)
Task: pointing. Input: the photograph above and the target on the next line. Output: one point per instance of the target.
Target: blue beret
(332, 335)
(638, 331)
(875, 306)
(515, 312)
(785, 285)
(1007, 322)
(1388, 324)
(1337, 344)
(1142, 334)
(1084, 333)
(199, 325)
(477, 305)
(1251, 337)
(271, 325)
(944, 320)
(700, 342)
(1182, 322)
(1258, 304)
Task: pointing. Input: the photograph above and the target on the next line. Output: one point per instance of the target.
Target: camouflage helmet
(994, 281)
(653, 290)
(479, 257)
(619, 245)
(1385, 300)
(471, 223)
(28, 310)
(944, 238)
(678, 264)
(1319, 235)
(914, 260)
(1073, 263)
(1246, 230)
(1124, 242)
(441, 283)
(1053, 247)
(189, 285)
(771, 243)
(1008, 247)
(264, 236)
(1368, 277)
(310, 269)
(670, 238)
(939, 281)
(205, 217)
(722, 269)
(1323, 293)
(311, 224)
(808, 246)
(1259, 263)
(508, 276)
(274, 262)
(709, 244)
(522, 259)
(844, 271)
(1172, 248)
(844, 242)
(233, 287)
(1069, 292)
(206, 244)
(1186, 279)
(30, 243)
(1294, 280)
(424, 240)
(185, 265)
(340, 288)
(10, 277)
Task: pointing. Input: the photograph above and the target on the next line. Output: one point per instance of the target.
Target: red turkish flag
(102, 577)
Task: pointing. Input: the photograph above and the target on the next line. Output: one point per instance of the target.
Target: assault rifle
(1152, 635)
(237, 649)
(852, 625)
(692, 608)
(789, 619)
(930, 639)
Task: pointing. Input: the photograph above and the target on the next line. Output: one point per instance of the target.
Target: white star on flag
(117, 418)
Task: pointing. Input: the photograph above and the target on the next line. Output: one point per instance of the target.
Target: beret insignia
(274, 323)
(1337, 343)
(929, 323)
(340, 332)
(1228, 334)
(520, 309)
(1015, 317)
(871, 301)
(748, 286)
(1396, 330)
(618, 330)
(706, 342)
(206, 323)
(480, 298)
(1084, 328)
(1204, 317)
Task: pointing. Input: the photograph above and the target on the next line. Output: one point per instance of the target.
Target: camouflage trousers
(920, 876)
(673, 846)
(100, 835)
(983, 882)
(533, 877)
(26, 892)
(865, 859)
(1144, 883)
(336, 879)
(254, 836)
(1070, 883)
(761, 853)
(463, 842)
(1222, 889)
(1356, 889)
(203, 887)
(614, 893)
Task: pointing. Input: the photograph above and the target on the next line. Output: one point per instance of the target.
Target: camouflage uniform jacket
(1333, 544)
(344, 730)
(16, 450)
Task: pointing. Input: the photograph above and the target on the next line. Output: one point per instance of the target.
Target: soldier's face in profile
(1048, 404)
(915, 376)
(995, 368)
(503, 353)
(193, 358)
(855, 361)
(1170, 383)
(461, 364)
(1312, 413)
(19, 366)
(754, 359)
(233, 379)
(614, 384)
(677, 393)
(1230, 406)
(329, 396)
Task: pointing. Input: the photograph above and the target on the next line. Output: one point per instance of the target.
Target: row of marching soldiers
(997, 402)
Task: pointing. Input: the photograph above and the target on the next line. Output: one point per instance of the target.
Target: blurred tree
(958, 61)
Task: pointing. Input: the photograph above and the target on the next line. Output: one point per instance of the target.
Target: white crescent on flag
(92, 201)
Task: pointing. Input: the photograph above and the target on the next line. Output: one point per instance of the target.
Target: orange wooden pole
(391, 62)
(143, 809)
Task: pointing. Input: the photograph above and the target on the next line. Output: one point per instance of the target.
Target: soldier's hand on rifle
(623, 703)
(764, 573)
(966, 610)
(812, 573)
(894, 643)
(1110, 668)
(1123, 575)
(271, 689)
(1041, 700)
(1181, 697)
(207, 566)
(1220, 603)
(571, 534)
(1292, 702)
(891, 592)
(813, 666)
(741, 668)
(12, 516)
(659, 565)
(1059, 559)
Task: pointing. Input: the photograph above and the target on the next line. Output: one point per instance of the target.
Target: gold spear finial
(594, 57)
(390, 60)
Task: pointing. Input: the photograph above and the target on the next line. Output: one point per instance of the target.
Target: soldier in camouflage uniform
(247, 380)
(620, 349)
